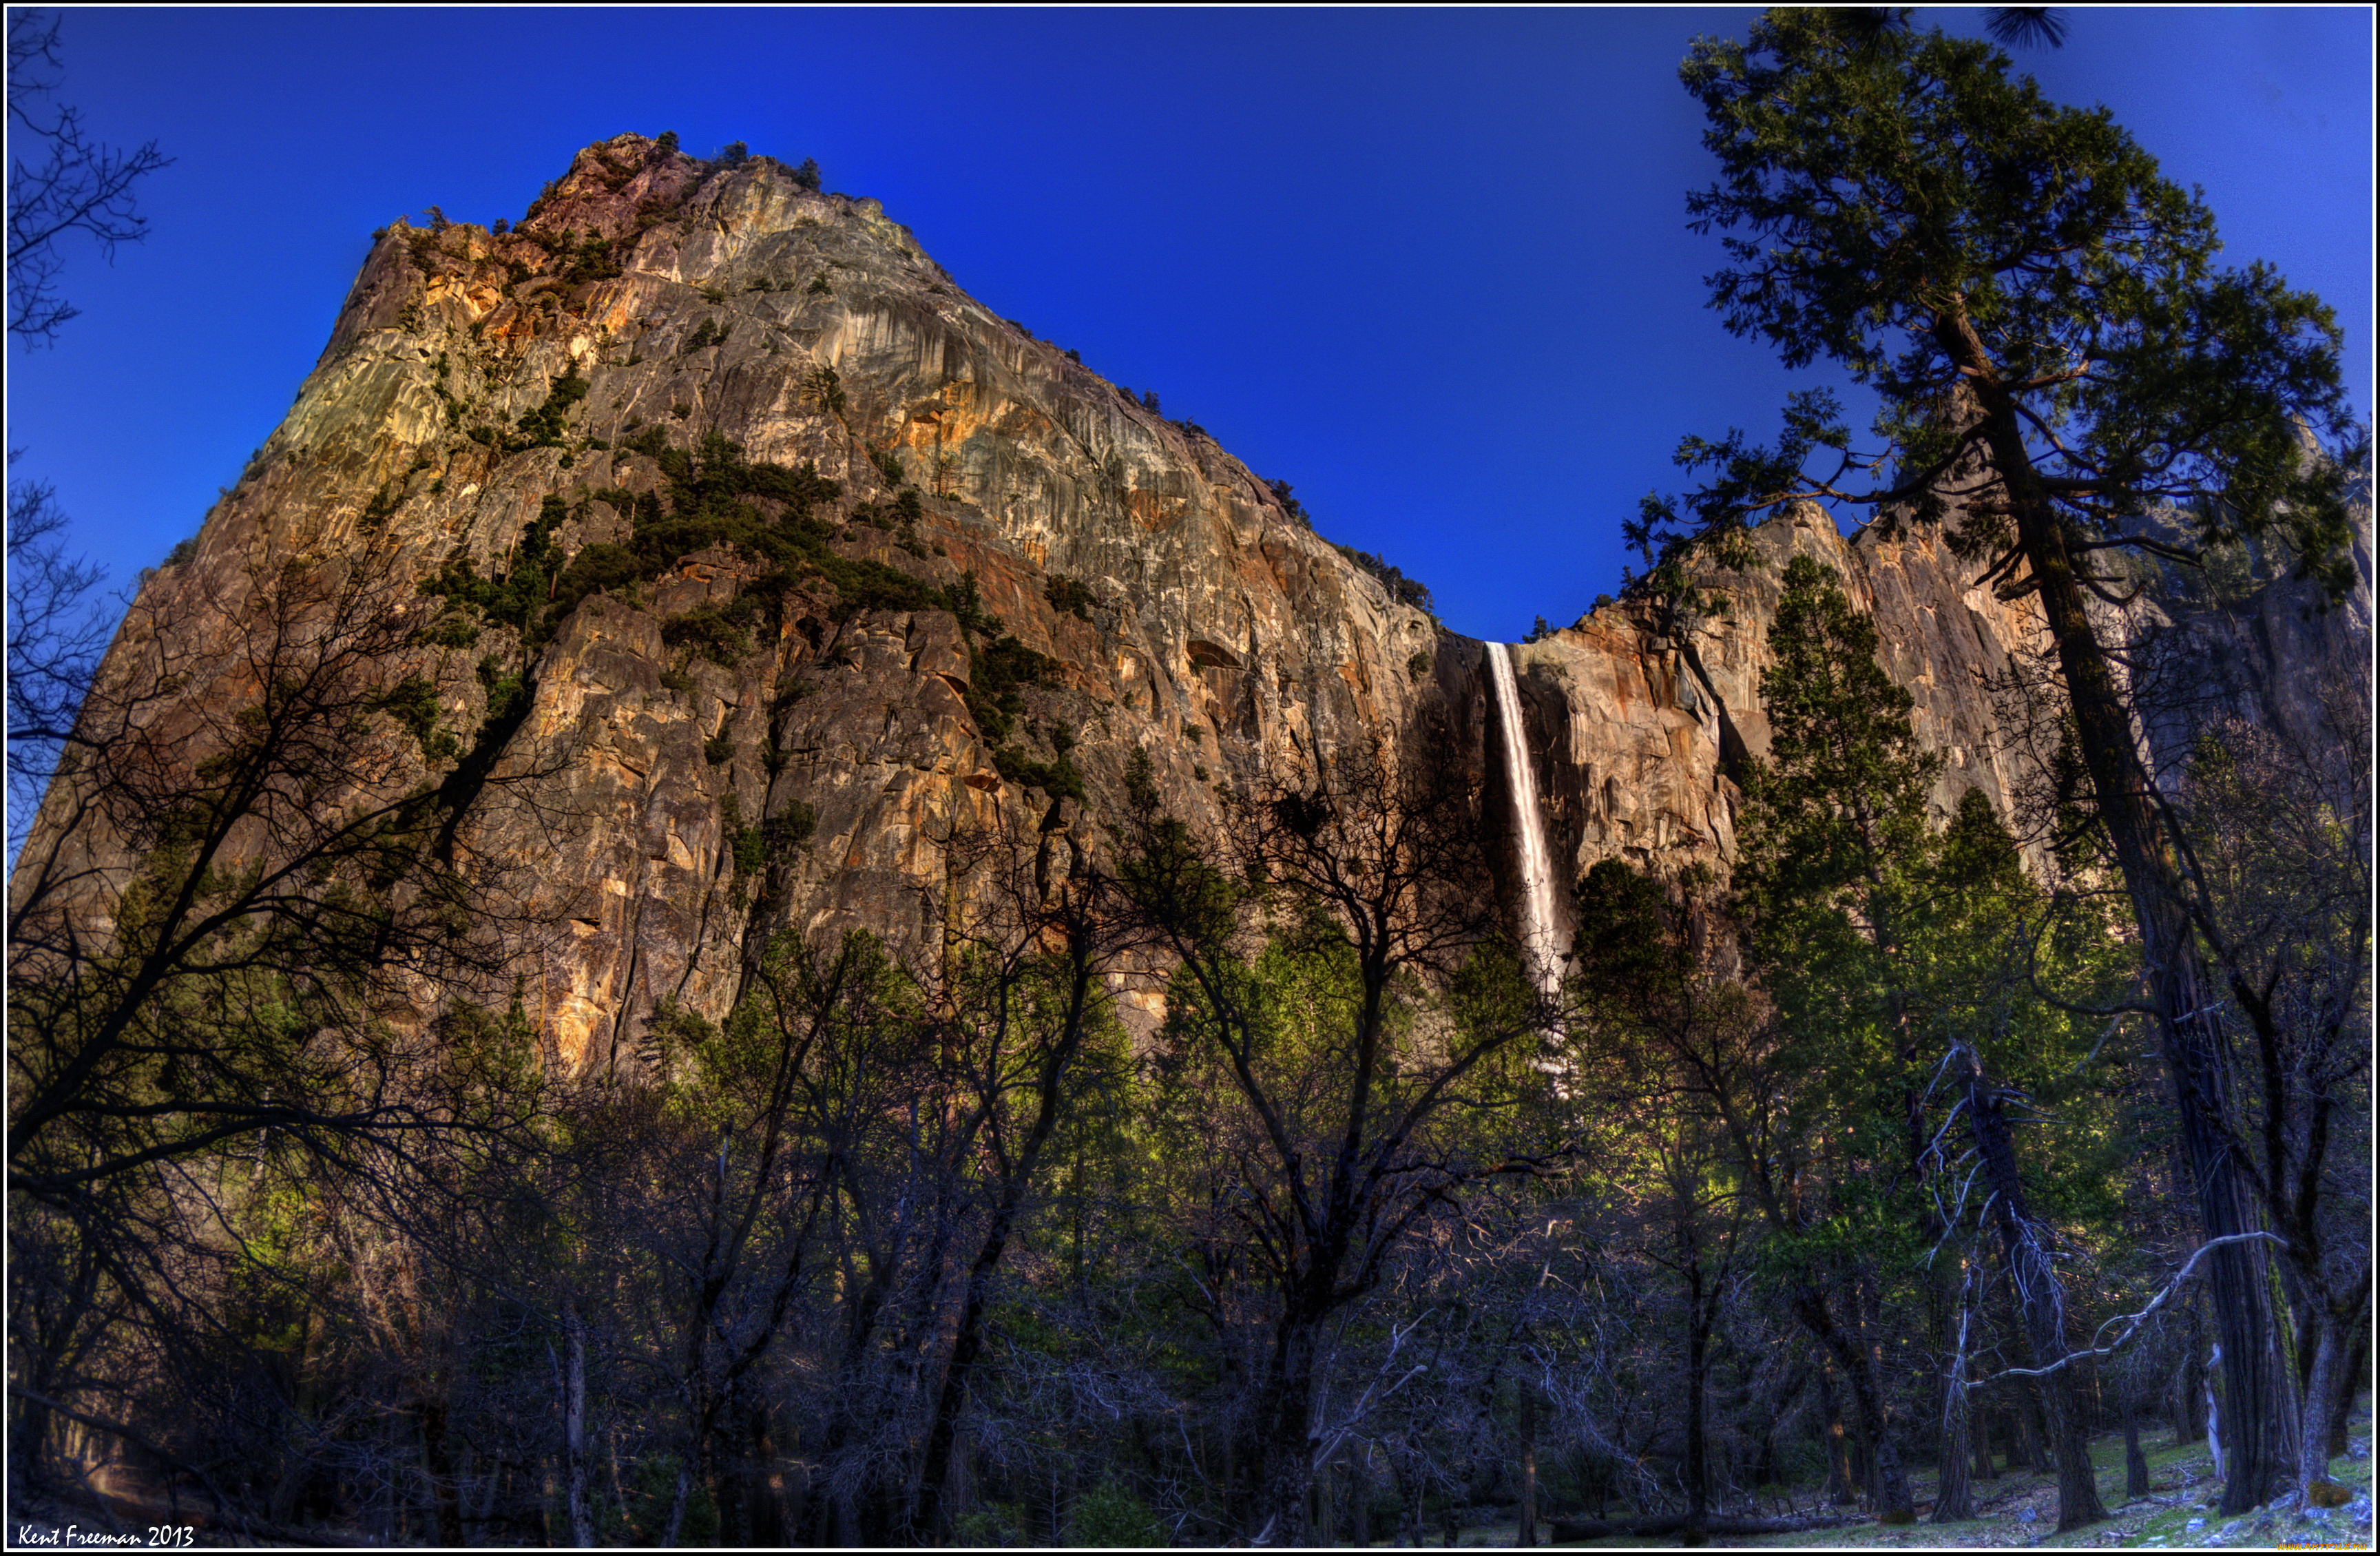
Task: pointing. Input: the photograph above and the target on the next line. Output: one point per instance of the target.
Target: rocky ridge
(1021, 577)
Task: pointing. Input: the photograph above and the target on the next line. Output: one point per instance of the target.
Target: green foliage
(1056, 778)
(791, 827)
(1885, 943)
(713, 496)
(492, 1060)
(541, 426)
(963, 601)
(820, 286)
(824, 387)
(455, 631)
(719, 750)
(984, 1527)
(1915, 212)
(376, 511)
(752, 848)
(707, 334)
(889, 464)
(1290, 505)
(513, 600)
(721, 633)
(601, 566)
(1845, 781)
(1110, 1516)
(590, 259)
(808, 176)
(997, 676)
(745, 844)
(413, 703)
(1069, 594)
(1402, 589)
(665, 145)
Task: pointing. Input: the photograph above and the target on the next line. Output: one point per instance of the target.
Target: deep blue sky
(1429, 265)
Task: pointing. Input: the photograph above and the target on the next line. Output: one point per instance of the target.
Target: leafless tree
(226, 939)
(1343, 1106)
(78, 185)
(56, 633)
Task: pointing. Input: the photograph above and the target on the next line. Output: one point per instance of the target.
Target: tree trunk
(1697, 1442)
(438, 1465)
(2136, 1466)
(1281, 1450)
(1890, 1482)
(2190, 1388)
(2344, 1406)
(2040, 1303)
(1953, 1502)
(1359, 1495)
(1528, 1534)
(574, 1426)
(967, 1347)
(2328, 1385)
(2025, 1451)
(764, 1507)
(1838, 1491)
(2189, 1032)
(677, 1509)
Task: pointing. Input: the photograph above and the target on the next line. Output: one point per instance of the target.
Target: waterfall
(1537, 867)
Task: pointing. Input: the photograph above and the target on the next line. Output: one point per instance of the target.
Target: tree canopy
(2038, 310)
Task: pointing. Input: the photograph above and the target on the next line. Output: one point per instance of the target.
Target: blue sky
(1430, 266)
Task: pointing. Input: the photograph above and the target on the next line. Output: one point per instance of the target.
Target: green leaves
(2036, 307)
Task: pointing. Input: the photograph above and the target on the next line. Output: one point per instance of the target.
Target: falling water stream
(1536, 866)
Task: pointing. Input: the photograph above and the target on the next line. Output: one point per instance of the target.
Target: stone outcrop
(807, 768)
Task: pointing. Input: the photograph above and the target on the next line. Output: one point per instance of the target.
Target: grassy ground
(2181, 1489)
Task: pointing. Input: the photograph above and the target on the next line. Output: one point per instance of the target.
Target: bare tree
(1024, 1021)
(55, 636)
(78, 185)
(1343, 1105)
(2277, 832)
(226, 936)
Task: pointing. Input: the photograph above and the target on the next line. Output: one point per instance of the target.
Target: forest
(1928, 1140)
(1862, 1161)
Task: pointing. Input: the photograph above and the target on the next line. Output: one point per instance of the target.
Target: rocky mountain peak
(747, 561)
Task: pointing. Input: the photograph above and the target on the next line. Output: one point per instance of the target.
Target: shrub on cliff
(1403, 590)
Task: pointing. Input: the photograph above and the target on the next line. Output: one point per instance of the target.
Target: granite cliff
(757, 560)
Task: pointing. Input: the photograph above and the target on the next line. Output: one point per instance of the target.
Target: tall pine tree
(2063, 373)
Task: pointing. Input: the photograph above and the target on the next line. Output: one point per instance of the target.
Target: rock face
(486, 396)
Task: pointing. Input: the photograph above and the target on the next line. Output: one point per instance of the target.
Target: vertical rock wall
(1188, 615)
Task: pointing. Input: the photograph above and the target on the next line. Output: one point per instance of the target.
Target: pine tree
(2063, 372)
(1886, 945)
